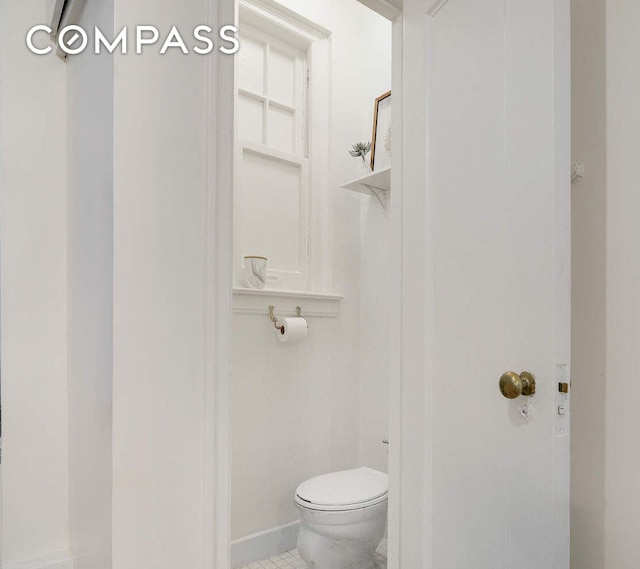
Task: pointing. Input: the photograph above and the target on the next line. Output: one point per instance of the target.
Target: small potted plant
(360, 150)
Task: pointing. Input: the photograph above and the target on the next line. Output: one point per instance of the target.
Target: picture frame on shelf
(381, 135)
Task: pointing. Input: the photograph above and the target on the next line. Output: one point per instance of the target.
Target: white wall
(589, 285)
(159, 209)
(159, 483)
(375, 324)
(606, 278)
(623, 284)
(375, 277)
(33, 287)
(90, 295)
(298, 409)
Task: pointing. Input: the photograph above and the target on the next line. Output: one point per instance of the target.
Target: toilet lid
(344, 488)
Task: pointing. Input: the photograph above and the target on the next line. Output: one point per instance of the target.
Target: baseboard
(264, 544)
(56, 561)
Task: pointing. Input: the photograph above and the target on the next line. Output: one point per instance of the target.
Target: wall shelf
(377, 184)
(257, 301)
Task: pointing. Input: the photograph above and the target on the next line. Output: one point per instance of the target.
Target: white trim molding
(396, 213)
(61, 560)
(254, 301)
(264, 544)
(436, 6)
(219, 105)
(389, 10)
(413, 286)
(279, 15)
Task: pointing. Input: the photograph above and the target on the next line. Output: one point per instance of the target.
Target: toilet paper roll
(292, 329)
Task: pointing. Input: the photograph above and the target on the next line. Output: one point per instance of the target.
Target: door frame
(219, 149)
(218, 321)
(414, 291)
(411, 331)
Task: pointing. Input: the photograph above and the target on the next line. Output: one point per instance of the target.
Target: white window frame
(264, 17)
(301, 121)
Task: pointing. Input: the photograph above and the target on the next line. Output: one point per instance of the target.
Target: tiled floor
(291, 560)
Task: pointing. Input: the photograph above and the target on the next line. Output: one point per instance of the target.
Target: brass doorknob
(513, 385)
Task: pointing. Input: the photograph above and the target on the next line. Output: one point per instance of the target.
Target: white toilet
(343, 516)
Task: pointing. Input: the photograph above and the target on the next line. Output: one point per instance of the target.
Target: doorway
(312, 229)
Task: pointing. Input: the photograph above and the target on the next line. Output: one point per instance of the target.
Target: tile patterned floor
(291, 560)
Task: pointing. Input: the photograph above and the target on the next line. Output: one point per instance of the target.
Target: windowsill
(257, 301)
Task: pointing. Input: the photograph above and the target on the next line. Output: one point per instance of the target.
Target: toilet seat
(344, 490)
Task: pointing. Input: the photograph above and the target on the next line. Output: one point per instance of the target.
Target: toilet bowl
(343, 516)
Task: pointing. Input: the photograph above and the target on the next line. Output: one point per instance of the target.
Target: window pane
(250, 119)
(267, 206)
(251, 66)
(281, 81)
(281, 129)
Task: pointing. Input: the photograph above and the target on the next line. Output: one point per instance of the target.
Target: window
(281, 157)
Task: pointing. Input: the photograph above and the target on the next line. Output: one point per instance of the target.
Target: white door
(484, 209)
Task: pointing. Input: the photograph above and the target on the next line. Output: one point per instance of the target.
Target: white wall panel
(589, 212)
(162, 475)
(623, 283)
(90, 296)
(33, 225)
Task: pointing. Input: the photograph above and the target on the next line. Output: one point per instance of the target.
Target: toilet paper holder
(274, 318)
